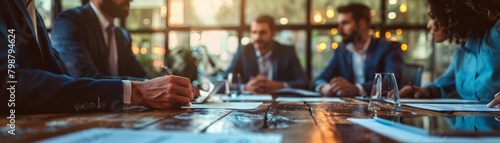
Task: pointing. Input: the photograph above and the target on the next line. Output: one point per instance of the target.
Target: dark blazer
(77, 36)
(286, 66)
(43, 85)
(383, 57)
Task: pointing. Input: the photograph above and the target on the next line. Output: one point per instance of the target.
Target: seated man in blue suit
(34, 79)
(265, 65)
(351, 70)
(91, 46)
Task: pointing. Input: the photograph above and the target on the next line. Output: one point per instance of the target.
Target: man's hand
(413, 92)
(342, 87)
(196, 91)
(495, 102)
(326, 90)
(163, 92)
(262, 84)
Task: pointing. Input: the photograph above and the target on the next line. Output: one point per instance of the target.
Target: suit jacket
(382, 57)
(43, 85)
(77, 36)
(286, 66)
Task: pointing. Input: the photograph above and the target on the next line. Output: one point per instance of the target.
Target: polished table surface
(298, 122)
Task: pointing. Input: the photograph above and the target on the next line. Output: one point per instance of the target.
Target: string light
(404, 47)
(335, 45)
(333, 31)
(388, 34)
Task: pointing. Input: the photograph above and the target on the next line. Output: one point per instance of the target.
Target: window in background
(411, 12)
(296, 38)
(214, 49)
(150, 14)
(324, 43)
(284, 11)
(44, 8)
(69, 4)
(150, 50)
(443, 55)
(204, 12)
(416, 47)
(325, 11)
(415, 44)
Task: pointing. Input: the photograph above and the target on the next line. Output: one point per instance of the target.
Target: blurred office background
(183, 33)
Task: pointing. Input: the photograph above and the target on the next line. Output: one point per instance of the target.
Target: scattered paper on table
(225, 105)
(453, 107)
(248, 98)
(308, 99)
(403, 135)
(437, 101)
(297, 92)
(104, 135)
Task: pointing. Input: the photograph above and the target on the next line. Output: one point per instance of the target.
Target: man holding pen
(41, 83)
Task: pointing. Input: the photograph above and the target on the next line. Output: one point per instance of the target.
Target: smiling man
(266, 65)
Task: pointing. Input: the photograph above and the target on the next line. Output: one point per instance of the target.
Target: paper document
(296, 92)
(453, 107)
(437, 101)
(412, 100)
(308, 99)
(225, 105)
(248, 98)
(104, 135)
(403, 135)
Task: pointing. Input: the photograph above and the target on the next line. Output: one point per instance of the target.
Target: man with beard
(351, 70)
(91, 45)
(266, 65)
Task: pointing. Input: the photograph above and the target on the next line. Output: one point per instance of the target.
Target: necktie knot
(110, 28)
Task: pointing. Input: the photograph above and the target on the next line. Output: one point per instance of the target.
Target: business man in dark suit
(40, 82)
(91, 46)
(352, 68)
(265, 65)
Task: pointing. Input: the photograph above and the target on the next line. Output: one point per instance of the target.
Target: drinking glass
(384, 94)
(234, 82)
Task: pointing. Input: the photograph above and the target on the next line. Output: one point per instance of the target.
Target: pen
(168, 72)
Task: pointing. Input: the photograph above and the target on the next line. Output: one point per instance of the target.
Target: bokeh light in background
(214, 25)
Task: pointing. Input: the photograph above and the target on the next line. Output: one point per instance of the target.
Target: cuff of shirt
(127, 91)
(286, 85)
(361, 89)
(317, 89)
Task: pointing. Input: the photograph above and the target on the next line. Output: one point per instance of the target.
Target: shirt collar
(268, 54)
(102, 19)
(350, 47)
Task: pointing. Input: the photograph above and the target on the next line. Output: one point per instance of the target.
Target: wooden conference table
(298, 122)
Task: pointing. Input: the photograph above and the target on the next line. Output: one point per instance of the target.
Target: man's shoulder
(385, 44)
(283, 47)
(77, 13)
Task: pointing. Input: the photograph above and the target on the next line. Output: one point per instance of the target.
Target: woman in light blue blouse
(474, 72)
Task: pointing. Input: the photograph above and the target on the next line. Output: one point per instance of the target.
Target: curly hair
(490, 8)
(464, 18)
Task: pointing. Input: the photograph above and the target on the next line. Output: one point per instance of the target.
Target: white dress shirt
(113, 54)
(358, 64)
(265, 64)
